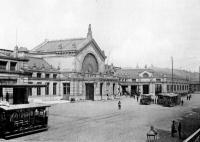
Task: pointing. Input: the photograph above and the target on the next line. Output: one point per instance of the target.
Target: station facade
(71, 68)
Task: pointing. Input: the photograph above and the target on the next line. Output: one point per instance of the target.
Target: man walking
(119, 105)
(179, 130)
(173, 128)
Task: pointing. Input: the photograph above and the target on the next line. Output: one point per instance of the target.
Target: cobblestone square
(101, 121)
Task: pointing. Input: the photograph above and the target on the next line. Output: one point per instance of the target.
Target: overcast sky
(130, 32)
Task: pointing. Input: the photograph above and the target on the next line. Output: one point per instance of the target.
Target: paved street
(101, 121)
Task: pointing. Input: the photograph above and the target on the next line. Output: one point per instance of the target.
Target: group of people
(174, 130)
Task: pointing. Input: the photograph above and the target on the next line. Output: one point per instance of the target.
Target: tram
(21, 118)
(169, 99)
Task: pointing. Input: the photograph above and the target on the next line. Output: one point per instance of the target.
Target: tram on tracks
(21, 118)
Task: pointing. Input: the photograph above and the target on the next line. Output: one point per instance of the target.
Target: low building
(11, 71)
(150, 81)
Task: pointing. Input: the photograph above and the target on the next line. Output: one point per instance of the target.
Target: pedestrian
(179, 130)
(1, 96)
(7, 97)
(119, 105)
(173, 129)
(137, 98)
(182, 102)
(107, 97)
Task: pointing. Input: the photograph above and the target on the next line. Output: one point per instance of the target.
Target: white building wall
(65, 62)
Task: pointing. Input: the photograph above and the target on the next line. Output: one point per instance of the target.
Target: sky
(131, 32)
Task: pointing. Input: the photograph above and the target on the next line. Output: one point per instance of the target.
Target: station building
(150, 81)
(71, 68)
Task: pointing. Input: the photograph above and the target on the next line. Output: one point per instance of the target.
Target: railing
(195, 137)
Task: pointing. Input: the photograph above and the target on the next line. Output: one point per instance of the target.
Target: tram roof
(23, 106)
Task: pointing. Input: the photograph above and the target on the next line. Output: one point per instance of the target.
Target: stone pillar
(97, 91)
(164, 88)
(129, 89)
(72, 85)
(141, 89)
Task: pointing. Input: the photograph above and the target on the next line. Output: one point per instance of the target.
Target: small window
(39, 89)
(3, 65)
(145, 75)
(46, 75)
(38, 75)
(133, 80)
(54, 88)
(13, 66)
(47, 89)
(158, 80)
(54, 75)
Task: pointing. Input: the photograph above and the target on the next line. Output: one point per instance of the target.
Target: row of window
(134, 80)
(3, 65)
(47, 75)
(66, 89)
(177, 87)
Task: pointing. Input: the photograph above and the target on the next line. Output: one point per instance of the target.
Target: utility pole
(172, 74)
(199, 78)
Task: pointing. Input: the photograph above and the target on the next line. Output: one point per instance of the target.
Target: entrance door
(101, 89)
(89, 91)
(124, 91)
(133, 89)
(145, 89)
(113, 88)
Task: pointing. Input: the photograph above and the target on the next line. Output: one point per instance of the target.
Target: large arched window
(145, 75)
(90, 64)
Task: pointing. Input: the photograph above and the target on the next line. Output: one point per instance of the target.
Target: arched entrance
(89, 65)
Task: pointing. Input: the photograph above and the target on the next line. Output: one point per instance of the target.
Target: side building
(11, 72)
(150, 81)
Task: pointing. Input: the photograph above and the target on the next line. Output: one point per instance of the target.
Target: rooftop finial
(89, 34)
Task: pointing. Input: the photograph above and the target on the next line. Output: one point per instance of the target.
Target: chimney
(89, 34)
